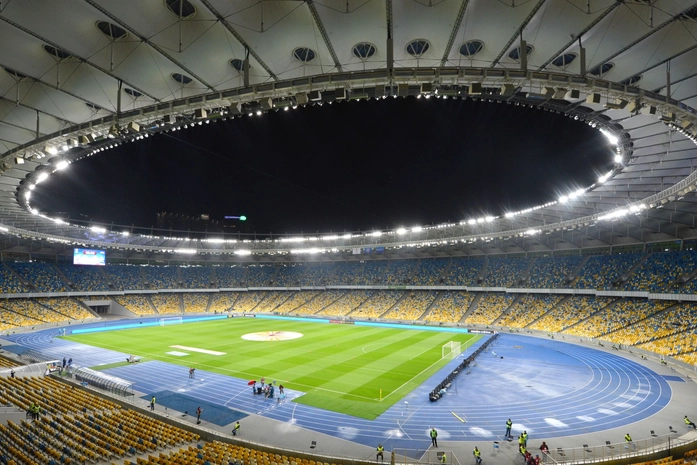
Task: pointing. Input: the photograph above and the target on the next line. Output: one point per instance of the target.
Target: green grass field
(341, 368)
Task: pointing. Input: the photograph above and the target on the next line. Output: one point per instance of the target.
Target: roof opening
(601, 69)
(111, 30)
(562, 61)
(471, 48)
(364, 50)
(18, 76)
(187, 10)
(133, 93)
(418, 47)
(181, 78)
(515, 53)
(304, 54)
(237, 64)
(56, 52)
(631, 80)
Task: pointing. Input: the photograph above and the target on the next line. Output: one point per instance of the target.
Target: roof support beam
(453, 32)
(607, 11)
(662, 62)
(16, 126)
(645, 36)
(148, 42)
(239, 38)
(83, 60)
(389, 42)
(323, 32)
(676, 82)
(518, 32)
(55, 87)
(62, 120)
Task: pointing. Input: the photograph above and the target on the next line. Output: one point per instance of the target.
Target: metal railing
(619, 450)
(421, 456)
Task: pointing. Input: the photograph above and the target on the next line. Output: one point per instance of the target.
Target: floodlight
(63, 164)
(86, 139)
(417, 229)
(649, 110)
(133, 127)
(42, 177)
(401, 231)
(48, 150)
(573, 94)
(266, 104)
(618, 158)
(235, 109)
(507, 90)
(113, 132)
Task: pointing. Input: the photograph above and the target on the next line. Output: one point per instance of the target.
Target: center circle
(272, 336)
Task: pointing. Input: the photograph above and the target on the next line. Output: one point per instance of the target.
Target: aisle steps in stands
(561, 302)
(508, 309)
(628, 275)
(68, 283)
(573, 276)
(429, 309)
(152, 305)
(602, 309)
(652, 315)
(482, 273)
(472, 307)
(360, 306)
(401, 298)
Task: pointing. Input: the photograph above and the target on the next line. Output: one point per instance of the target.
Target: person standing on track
(152, 404)
(509, 425)
(434, 437)
(198, 415)
(477, 456)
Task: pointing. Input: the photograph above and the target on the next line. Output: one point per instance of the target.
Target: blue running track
(548, 387)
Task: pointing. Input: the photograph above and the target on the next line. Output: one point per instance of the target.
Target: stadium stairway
(403, 297)
(591, 315)
(481, 274)
(573, 276)
(68, 284)
(508, 309)
(561, 302)
(628, 275)
(429, 309)
(472, 307)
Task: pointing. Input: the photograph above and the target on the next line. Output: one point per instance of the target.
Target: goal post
(177, 320)
(451, 349)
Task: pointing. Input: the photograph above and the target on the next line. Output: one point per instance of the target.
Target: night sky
(342, 167)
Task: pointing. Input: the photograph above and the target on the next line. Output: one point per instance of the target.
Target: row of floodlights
(134, 128)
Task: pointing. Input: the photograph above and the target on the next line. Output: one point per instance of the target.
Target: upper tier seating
(602, 271)
(43, 276)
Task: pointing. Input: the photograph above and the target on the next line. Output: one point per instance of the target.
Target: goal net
(451, 350)
(171, 321)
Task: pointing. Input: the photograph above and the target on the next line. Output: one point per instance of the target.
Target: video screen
(89, 257)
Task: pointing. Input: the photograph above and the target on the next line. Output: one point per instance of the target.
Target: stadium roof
(87, 75)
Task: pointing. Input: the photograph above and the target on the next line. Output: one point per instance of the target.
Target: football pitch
(356, 370)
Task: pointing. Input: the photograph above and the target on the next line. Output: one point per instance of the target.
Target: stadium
(573, 318)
